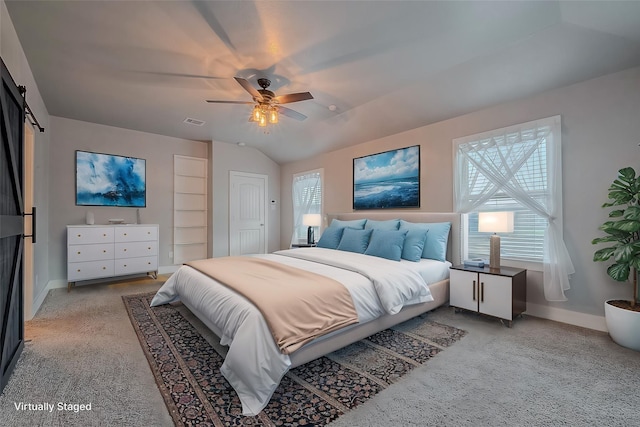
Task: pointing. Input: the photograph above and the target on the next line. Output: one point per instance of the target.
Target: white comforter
(254, 366)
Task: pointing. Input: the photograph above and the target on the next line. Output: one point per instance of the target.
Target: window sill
(529, 265)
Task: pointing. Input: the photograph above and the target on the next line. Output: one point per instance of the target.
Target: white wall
(230, 157)
(16, 61)
(600, 134)
(67, 136)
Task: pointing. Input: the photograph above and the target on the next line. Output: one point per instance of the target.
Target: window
(307, 199)
(516, 169)
(526, 243)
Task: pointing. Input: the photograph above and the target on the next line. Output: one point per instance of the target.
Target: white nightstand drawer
(89, 235)
(81, 253)
(136, 265)
(89, 270)
(136, 249)
(136, 233)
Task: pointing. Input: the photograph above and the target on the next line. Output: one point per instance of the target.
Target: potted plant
(623, 235)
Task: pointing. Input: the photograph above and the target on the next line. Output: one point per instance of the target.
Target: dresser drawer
(89, 235)
(136, 249)
(136, 265)
(89, 270)
(80, 253)
(136, 234)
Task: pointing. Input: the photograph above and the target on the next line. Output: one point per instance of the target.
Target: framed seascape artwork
(110, 180)
(387, 180)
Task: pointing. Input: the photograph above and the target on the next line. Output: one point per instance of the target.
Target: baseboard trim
(168, 269)
(55, 284)
(584, 320)
(38, 301)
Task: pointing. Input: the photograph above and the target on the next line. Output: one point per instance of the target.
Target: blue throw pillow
(354, 240)
(435, 247)
(392, 224)
(354, 223)
(414, 244)
(386, 244)
(330, 238)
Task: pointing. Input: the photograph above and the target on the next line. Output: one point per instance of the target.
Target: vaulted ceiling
(375, 68)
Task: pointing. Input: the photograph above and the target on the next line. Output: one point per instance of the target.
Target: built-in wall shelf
(189, 208)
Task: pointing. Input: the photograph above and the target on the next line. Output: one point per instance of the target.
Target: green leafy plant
(623, 230)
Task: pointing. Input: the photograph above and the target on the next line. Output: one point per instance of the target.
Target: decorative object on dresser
(495, 222)
(387, 180)
(499, 292)
(99, 251)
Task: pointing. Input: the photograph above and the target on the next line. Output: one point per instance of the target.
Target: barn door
(11, 226)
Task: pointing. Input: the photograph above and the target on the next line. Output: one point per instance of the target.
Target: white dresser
(97, 251)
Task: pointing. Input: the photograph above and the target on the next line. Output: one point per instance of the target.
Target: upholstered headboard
(454, 248)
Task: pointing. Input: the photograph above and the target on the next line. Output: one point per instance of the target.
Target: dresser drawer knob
(79, 235)
(104, 251)
(104, 235)
(78, 270)
(125, 265)
(149, 263)
(125, 249)
(78, 252)
(149, 248)
(104, 268)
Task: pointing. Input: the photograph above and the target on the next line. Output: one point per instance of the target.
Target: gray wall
(600, 134)
(15, 60)
(67, 136)
(231, 157)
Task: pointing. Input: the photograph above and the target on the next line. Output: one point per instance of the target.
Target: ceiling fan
(267, 104)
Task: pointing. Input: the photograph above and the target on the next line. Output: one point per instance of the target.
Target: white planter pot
(623, 326)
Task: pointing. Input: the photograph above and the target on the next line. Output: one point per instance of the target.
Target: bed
(254, 365)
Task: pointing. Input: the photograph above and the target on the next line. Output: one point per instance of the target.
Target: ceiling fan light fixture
(262, 122)
(273, 115)
(257, 113)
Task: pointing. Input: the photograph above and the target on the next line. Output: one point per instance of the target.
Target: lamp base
(494, 252)
(310, 235)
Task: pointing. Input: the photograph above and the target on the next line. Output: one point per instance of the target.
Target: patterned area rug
(187, 370)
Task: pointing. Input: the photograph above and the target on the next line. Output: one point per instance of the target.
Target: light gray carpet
(84, 350)
(540, 373)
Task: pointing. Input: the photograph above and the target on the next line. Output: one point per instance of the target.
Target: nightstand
(499, 292)
(303, 245)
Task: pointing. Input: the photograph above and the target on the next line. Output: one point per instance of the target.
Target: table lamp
(311, 220)
(495, 222)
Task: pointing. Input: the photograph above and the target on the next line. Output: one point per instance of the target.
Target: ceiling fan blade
(197, 76)
(247, 86)
(229, 102)
(290, 113)
(293, 97)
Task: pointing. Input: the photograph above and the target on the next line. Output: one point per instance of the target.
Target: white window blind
(307, 199)
(517, 169)
(526, 243)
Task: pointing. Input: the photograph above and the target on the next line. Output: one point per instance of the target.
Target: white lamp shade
(312, 220)
(495, 222)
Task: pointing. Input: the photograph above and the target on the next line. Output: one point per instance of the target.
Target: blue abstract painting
(109, 180)
(387, 180)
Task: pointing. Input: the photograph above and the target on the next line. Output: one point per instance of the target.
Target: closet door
(11, 226)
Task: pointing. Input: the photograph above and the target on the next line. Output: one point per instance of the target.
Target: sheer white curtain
(501, 162)
(307, 199)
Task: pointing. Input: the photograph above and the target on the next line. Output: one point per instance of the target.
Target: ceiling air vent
(194, 122)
